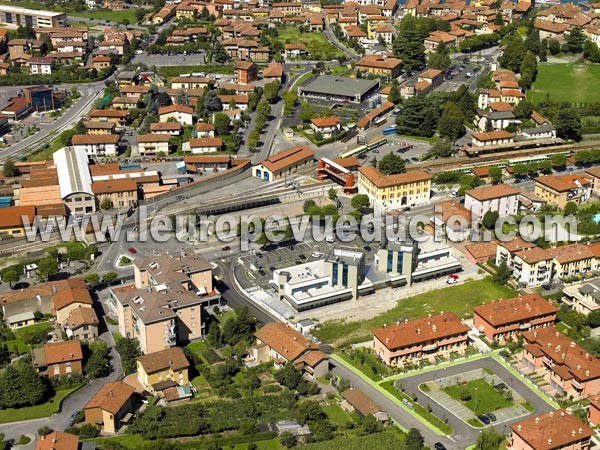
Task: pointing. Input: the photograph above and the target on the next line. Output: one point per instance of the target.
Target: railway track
(461, 162)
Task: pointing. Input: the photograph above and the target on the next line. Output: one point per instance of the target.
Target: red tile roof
(511, 310)
(380, 180)
(60, 352)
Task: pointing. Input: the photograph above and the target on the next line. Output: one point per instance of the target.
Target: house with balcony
(552, 430)
(283, 345)
(163, 372)
(96, 145)
(153, 144)
(165, 304)
(567, 368)
(500, 198)
(532, 267)
(558, 190)
(582, 297)
(573, 260)
(423, 339)
(507, 319)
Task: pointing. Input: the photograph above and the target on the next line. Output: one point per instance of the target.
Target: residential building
(97, 128)
(164, 306)
(283, 163)
(70, 295)
(293, 51)
(98, 145)
(57, 440)
(282, 344)
(422, 339)
(82, 324)
(119, 193)
(594, 177)
(59, 358)
(573, 260)
(500, 198)
(117, 116)
(19, 306)
(355, 400)
(561, 189)
(205, 130)
(178, 113)
(203, 145)
(170, 128)
(552, 430)
(246, 72)
(567, 368)
(532, 267)
(40, 65)
(111, 407)
(593, 415)
(454, 221)
(101, 62)
(583, 298)
(188, 83)
(162, 370)
(327, 127)
(152, 144)
(380, 65)
(15, 16)
(388, 192)
(507, 319)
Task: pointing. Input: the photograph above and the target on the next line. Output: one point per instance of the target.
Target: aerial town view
(312, 224)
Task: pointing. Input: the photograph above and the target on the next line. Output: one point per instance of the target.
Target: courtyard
(461, 392)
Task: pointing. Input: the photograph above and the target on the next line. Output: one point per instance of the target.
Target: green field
(484, 398)
(112, 16)
(571, 83)
(336, 415)
(317, 46)
(35, 412)
(457, 299)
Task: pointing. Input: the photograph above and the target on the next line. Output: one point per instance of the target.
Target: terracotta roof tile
(172, 358)
(380, 180)
(111, 397)
(515, 309)
(59, 352)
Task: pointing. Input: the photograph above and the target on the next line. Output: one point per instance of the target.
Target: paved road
(465, 435)
(74, 403)
(89, 95)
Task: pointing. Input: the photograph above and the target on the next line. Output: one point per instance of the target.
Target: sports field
(573, 83)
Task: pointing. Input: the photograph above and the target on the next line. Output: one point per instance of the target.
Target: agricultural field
(573, 83)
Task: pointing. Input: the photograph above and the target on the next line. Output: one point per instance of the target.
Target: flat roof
(340, 86)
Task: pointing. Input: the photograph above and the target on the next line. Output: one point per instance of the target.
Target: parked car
(484, 419)
(330, 239)
(132, 250)
(439, 446)
(226, 248)
(73, 417)
(492, 417)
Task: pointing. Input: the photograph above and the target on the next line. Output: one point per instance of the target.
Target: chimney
(418, 331)
(549, 441)
(519, 427)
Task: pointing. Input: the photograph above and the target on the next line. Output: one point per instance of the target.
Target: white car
(330, 239)
(139, 52)
(316, 255)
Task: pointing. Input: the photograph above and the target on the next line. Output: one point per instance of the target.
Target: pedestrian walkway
(455, 407)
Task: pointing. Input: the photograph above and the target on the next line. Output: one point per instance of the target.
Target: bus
(389, 130)
(379, 121)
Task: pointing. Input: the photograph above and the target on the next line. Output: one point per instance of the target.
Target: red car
(132, 250)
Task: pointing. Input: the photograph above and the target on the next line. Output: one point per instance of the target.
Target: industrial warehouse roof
(340, 86)
(72, 163)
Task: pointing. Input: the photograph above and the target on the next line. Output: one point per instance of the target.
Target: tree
(288, 376)
(420, 114)
(502, 274)
(568, 124)
(489, 439)
(593, 319)
(570, 209)
(212, 102)
(253, 139)
(489, 219)
(523, 109)
(575, 40)
(289, 101)
(10, 277)
(139, 14)
(408, 44)
(47, 267)
(9, 168)
(451, 124)
(528, 70)
(214, 336)
(513, 54)
(88, 431)
(559, 160)
(414, 440)
(360, 201)
(97, 364)
(391, 164)
(308, 204)
(20, 385)
(442, 149)
(287, 439)
(270, 91)
(439, 60)
(109, 277)
(128, 351)
(44, 431)
(309, 411)
(496, 174)
(106, 203)
(394, 95)
(221, 55)
(554, 46)
(498, 20)
(222, 123)
(332, 194)
(92, 279)
(545, 166)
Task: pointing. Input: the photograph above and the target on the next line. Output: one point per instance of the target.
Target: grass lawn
(484, 398)
(197, 347)
(35, 412)
(317, 46)
(21, 333)
(336, 415)
(582, 80)
(388, 439)
(113, 16)
(458, 299)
